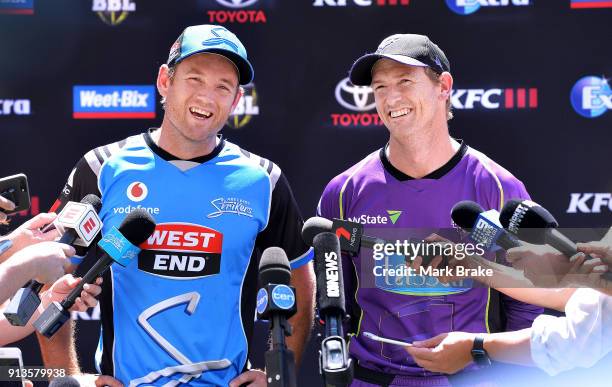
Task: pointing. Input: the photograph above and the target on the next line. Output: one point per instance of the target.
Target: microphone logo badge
(356, 98)
(262, 300)
(283, 297)
(137, 191)
(332, 287)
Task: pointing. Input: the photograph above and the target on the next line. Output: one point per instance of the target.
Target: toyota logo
(237, 3)
(356, 98)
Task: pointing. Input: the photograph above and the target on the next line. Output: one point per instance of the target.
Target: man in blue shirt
(183, 313)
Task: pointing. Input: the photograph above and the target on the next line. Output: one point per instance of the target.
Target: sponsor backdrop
(531, 91)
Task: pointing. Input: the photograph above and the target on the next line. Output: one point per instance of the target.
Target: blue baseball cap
(214, 39)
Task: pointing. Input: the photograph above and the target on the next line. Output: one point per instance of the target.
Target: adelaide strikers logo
(245, 110)
(113, 12)
(237, 3)
(591, 96)
(137, 191)
(356, 98)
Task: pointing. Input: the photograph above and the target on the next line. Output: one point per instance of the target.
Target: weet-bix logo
(126, 101)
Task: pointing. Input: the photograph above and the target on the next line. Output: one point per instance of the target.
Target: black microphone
(25, 302)
(534, 224)
(482, 225)
(350, 235)
(335, 365)
(276, 302)
(67, 381)
(117, 246)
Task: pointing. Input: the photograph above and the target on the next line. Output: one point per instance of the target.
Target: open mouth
(399, 113)
(200, 113)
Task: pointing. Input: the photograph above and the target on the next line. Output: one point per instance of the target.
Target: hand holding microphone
(118, 245)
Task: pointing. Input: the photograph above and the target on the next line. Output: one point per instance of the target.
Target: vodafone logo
(137, 191)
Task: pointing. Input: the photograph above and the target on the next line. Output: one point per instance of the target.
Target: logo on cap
(137, 191)
(591, 96)
(219, 40)
(356, 98)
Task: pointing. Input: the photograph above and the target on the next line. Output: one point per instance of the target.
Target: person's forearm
(503, 276)
(510, 347)
(59, 351)
(301, 323)
(13, 275)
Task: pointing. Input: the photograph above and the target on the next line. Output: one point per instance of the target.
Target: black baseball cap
(409, 49)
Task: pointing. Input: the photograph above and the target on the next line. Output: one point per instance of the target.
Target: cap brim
(361, 71)
(245, 69)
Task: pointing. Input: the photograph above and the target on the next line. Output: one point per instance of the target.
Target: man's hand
(7, 205)
(45, 261)
(29, 233)
(253, 378)
(63, 286)
(447, 353)
(601, 249)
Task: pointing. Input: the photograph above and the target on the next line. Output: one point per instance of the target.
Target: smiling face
(407, 100)
(199, 96)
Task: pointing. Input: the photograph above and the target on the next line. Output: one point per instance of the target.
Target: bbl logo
(245, 110)
(466, 7)
(113, 12)
(591, 96)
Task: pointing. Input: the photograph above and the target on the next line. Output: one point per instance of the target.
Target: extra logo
(359, 100)
(466, 7)
(360, 3)
(393, 216)
(182, 251)
(589, 203)
(230, 206)
(237, 14)
(494, 99)
(591, 96)
(245, 110)
(137, 191)
(113, 12)
(581, 4)
(102, 102)
(17, 107)
(17, 7)
(262, 300)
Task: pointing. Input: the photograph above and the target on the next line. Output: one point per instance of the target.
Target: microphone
(534, 224)
(350, 235)
(335, 365)
(79, 223)
(484, 226)
(67, 381)
(117, 246)
(276, 302)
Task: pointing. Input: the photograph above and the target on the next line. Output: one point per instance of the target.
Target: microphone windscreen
(67, 381)
(94, 200)
(465, 213)
(137, 226)
(328, 269)
(274, 267)
(314, 226)
(528, 220)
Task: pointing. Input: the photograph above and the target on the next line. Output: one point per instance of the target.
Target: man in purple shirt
(406, 187)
